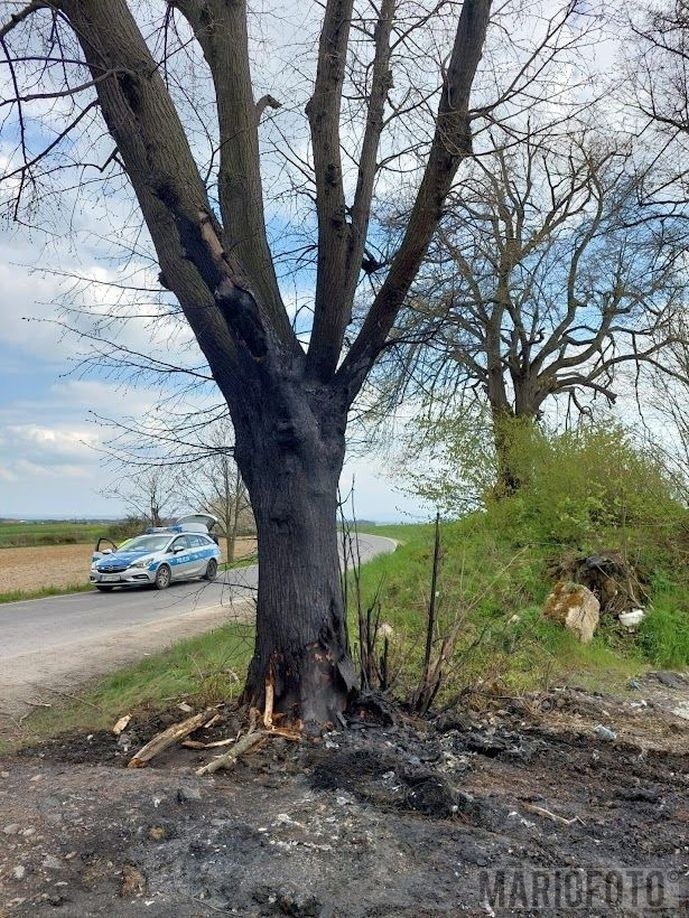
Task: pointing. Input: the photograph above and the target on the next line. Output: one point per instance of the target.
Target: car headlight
(144, 562)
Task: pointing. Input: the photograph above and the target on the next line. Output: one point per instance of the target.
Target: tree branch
(331, 308)
(19, 17)
(221, 30)
(451, 144)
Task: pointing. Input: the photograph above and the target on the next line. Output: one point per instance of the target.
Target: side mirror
(178, 550)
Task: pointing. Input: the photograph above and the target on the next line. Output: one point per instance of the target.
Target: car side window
(181, 542)
(200, 541)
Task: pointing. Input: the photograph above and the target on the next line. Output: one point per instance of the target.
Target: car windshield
(147, 543)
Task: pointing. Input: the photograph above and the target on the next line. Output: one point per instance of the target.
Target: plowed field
(31, 569)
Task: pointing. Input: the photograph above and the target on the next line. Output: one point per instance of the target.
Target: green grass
(20, 595)
(203, 669)
(493, 584)
(238, 565)
(50, 532)
(493, 579)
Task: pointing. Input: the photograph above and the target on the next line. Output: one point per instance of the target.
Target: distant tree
(214, 484)
(546, 280)
(661, 73)
(152, 495)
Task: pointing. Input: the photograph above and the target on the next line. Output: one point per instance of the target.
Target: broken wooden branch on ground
(541, 811)
(197, 744)
(244, 744)
(168, 737)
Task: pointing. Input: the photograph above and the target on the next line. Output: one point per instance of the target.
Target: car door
(181, 558)
(198, 551)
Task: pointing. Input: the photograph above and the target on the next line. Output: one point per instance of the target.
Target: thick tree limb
(168, 738)
(333, 315)
(451, 144)
(211, 284)
(331, 308)
(221, 30)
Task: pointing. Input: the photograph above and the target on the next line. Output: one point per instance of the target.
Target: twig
(213, 908)
(197, 744)
(541, 811)
(247, 742)
(78, 698)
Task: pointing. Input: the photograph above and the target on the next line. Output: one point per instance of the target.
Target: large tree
(288, 400)
(547, 279)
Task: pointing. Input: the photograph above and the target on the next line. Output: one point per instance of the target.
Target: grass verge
(491, 589)
(205, 669)
(20, 595)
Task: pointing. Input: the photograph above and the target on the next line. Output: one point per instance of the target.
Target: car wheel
(163, 577)
(103, 589)
(211, 570)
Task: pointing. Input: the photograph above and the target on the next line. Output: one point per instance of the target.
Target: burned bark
(291, 464)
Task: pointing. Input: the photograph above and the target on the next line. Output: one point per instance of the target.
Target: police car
(181, 552)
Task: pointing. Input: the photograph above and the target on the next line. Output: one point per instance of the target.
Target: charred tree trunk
(291, 468)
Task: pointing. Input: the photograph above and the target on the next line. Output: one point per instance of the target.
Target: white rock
(632, 618)
(575, 607)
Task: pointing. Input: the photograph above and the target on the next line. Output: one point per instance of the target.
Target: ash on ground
(381, 819)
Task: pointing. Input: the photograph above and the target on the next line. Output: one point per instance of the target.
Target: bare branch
(19, 17)
(451, 144)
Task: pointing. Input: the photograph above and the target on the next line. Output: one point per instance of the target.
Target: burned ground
(400, 819)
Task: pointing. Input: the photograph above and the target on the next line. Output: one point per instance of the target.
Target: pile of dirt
(614, 581)
(407, 818)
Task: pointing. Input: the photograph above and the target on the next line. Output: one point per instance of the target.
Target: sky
(51, 449)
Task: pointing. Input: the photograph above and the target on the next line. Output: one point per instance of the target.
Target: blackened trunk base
(301, 644)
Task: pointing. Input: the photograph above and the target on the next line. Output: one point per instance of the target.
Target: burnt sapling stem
(432, 602)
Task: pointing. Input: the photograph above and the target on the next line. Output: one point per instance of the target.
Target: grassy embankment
(494, 585)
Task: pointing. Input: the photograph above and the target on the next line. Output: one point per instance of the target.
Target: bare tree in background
(547, 279)
(215, 485)
(151, 495)
(110, 64)
(662, 74)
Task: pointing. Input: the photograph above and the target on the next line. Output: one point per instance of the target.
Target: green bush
(584, 486)
(580, 492)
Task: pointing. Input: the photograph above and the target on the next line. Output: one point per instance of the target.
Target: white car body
(181, 552)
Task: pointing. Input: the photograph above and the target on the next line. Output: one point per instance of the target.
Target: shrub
(586, 486)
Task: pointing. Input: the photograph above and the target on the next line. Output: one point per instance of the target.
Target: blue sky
(50, 459)
(50, 462)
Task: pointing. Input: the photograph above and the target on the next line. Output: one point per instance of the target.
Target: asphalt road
(62, 640)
